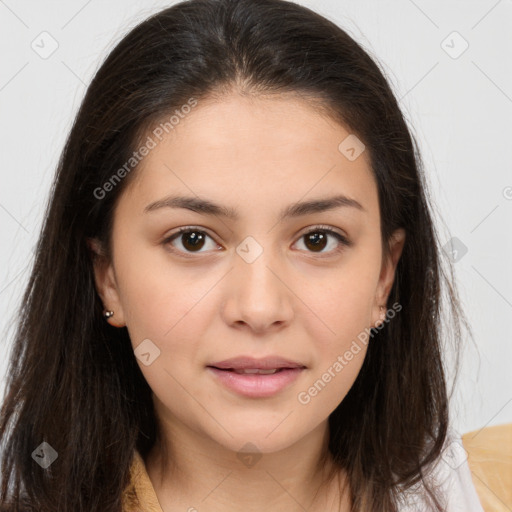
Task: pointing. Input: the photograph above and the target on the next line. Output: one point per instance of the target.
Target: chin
(257, 441)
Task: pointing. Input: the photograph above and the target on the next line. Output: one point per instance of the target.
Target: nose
(258, 296)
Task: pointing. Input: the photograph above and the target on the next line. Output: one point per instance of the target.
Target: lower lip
(256, 385)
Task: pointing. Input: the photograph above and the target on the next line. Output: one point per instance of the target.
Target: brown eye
(191, 240)
(319, 239)
(316, 241)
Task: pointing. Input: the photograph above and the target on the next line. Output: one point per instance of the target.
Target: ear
(387, 274)
(106, 283)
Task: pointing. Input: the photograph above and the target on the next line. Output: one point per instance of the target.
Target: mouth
(256, 382)
(252, 371)
(253, 365)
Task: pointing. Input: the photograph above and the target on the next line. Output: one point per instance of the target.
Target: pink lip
(257, 385)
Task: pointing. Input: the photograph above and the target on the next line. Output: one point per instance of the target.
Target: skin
(256, 156)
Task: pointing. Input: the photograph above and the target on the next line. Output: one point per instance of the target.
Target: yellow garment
(490, 461)
(139, 495)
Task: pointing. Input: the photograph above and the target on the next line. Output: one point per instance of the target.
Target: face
(256, 283)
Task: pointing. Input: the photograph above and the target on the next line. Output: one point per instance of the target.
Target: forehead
(256, 151)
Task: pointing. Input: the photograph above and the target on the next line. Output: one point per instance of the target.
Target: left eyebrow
(207, 207)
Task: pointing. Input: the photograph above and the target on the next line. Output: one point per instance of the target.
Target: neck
(190, 471)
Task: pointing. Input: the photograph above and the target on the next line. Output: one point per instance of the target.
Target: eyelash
(344, 242)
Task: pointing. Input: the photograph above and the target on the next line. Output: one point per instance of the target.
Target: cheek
(163, 302)
(343, 301)
(340, 341)
(166, 308)
(340, 328)
(329, 383)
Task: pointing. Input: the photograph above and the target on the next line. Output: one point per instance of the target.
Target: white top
(453, 475)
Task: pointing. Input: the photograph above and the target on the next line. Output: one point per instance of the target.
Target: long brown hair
(73, 380)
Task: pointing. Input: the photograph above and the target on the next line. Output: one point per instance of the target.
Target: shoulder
(450, 476)
(489, 451)
(139, 493)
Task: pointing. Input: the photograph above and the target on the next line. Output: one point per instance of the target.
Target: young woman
(236, 298)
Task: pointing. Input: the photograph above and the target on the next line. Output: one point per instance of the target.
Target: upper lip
(266, 363)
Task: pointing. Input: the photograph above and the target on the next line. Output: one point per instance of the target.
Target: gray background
(459, 104)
